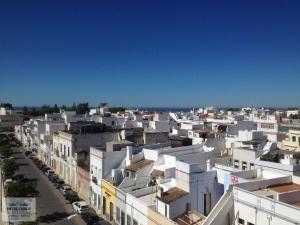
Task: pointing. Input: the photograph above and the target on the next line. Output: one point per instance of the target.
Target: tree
(25, 110)
(103, 104)
(55, 109)
(73, 107)
(5, 151)
(117, 109)
(6, 105)
(82, 108)
(29, 223)
(10, 167)
(33, 112)
(21, 189)
(46, 109)
(294, 116)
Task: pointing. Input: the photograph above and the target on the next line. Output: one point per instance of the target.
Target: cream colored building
(293, 141)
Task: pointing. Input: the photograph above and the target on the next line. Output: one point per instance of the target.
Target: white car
(79, 207)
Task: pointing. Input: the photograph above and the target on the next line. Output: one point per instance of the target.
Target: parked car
(27, 152)
(41, 166)
(64, 189)
(72, 196)
(79, 207)
(31, 156)
(53, 177)
(37, 162)
(89, 216)
(49, 172)
(46, 168)
(59, 183)
(7, 182)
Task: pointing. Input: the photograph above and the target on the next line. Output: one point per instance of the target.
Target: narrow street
(51, 207)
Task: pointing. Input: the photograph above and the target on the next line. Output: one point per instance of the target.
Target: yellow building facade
(108, 193)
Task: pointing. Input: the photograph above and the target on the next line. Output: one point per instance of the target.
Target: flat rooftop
(172, 195)
(190, 218)
(281, 188)
(149, 199)
(139, 165)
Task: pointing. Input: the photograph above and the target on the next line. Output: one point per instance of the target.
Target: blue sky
(150, 53)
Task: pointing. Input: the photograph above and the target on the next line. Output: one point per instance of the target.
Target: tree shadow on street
(50, 218)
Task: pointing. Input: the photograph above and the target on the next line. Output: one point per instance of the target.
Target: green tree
(82, 108)
(294, 116)
(6, 105)
(10, 167)
(33, 112)
(55, 109)
(29, 223)
(5, 151)
(25, 110)
(103, 104)
(117, 109)
(21, 189)
(73, 107)
(46, 109)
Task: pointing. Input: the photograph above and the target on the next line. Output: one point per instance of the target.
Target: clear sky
(150, 53)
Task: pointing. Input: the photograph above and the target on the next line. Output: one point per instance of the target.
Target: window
(294, 138)
(267, 125)
(122, 218)
(95, 168)
(95, 199)
(166, 210)
(207, 203)
(236, 164)
(251, 166)
(104, 206)
(64, 150)
(250, 223)
(128, 220)
(68, 151)
(60, 147)
(118, 214)
(135, 222)
(244, 165)
(99, 202)
(241, 221)
(111, 211)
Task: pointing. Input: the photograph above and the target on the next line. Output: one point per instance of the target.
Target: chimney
(159, 192)
(128, 155)
(208, 165)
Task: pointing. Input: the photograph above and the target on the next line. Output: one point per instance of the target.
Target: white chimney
(128, 155)
(208, 165)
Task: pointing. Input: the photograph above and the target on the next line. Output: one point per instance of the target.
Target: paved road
(52, 208)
